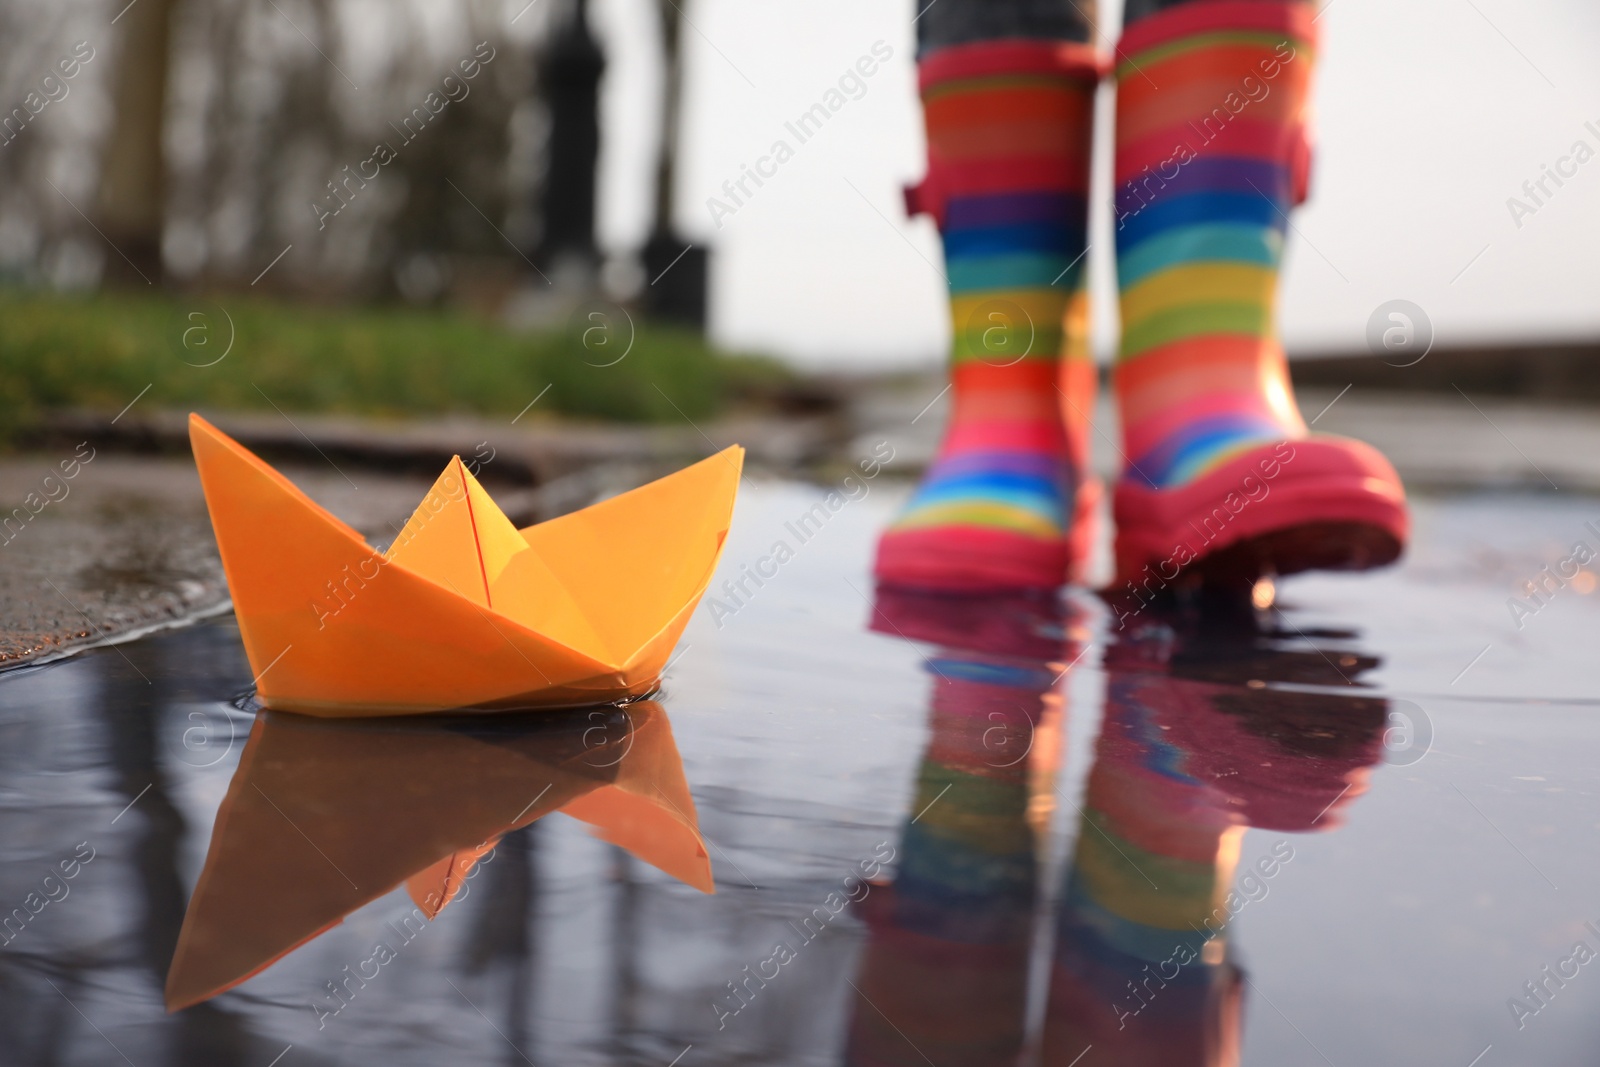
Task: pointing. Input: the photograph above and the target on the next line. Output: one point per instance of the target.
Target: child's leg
(1008, 92)
(948, 23)
(1212, 98)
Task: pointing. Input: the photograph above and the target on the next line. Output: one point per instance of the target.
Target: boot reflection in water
(945, 968)
(1196, 747)
(1194, 750)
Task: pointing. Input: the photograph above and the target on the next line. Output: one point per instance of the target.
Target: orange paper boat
(464, 611)
(324, 817)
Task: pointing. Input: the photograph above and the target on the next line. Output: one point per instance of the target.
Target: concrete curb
(531, 453)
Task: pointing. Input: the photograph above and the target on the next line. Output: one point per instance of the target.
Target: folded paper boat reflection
(464, 610)
(323, 817)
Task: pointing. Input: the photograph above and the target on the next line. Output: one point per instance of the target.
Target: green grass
(99, 352)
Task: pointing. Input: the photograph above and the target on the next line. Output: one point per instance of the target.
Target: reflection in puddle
(1198, 744)
(1064, 872)
(325, 816)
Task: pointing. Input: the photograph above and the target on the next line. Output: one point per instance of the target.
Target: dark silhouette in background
(570, 79)
(677, 275)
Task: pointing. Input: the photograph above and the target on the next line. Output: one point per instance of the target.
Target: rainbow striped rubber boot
(1222, 475)
(1002, 506)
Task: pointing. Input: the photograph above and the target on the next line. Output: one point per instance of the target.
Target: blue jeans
(948, 22)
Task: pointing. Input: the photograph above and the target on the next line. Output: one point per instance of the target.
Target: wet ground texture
(1356, 826)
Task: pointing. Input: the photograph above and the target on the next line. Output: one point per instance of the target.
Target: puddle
(1359, 831)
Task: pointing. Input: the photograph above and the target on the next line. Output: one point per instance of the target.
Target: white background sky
(1430, 114)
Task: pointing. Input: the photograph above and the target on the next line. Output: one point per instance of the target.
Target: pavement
(127, 547)
(1448, 442)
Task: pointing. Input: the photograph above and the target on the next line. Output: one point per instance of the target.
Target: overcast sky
(1431, 114)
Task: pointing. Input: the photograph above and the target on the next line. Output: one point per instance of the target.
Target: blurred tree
(239, 148)
(455, 231)
(131, 172)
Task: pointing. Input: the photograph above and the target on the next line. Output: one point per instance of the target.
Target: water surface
(1356, 830)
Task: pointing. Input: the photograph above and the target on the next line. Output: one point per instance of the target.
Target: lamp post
(570, 79)
(675, 271)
